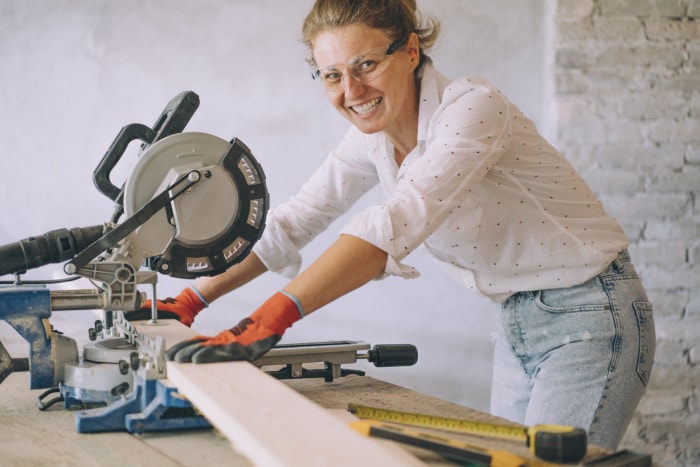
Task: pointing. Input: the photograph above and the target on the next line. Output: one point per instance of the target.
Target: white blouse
(495, 204)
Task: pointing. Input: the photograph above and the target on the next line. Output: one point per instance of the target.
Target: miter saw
(194, 205)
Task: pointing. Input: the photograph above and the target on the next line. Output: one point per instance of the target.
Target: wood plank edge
(273, 425)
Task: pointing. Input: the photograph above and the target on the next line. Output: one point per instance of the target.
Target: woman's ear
(413, 48)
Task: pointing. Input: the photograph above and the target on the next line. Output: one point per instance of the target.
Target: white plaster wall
(73, 72)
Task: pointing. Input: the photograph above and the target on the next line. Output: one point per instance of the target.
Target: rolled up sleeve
(343, 177)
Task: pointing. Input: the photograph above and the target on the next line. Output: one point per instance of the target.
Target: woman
(467, 176)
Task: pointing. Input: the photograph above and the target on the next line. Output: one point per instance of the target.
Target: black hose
(52, 247)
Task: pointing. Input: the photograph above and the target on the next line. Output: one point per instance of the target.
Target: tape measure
(554, 443)
(449, 448)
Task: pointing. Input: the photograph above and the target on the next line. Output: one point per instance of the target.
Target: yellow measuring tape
(450, 448)
(554, 443)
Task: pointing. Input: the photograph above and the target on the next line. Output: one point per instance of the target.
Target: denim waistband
(618, 264)
(623, 256)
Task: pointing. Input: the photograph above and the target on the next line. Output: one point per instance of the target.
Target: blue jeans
(579, 356)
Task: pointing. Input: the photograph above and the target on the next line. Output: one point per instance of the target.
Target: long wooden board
(268, 422)
(272, 424)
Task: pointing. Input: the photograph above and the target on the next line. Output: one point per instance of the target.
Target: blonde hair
(397, 18)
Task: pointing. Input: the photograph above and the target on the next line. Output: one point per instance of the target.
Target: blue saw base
(151, 406)
(27, 309)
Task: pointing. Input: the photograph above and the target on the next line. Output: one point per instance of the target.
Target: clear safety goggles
(362, 68)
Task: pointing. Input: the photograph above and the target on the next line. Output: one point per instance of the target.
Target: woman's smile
(367, 107)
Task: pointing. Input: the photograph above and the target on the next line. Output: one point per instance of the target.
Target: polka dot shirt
(482, 192)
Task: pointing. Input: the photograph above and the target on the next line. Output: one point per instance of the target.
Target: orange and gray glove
(183, 308)
(249, 340)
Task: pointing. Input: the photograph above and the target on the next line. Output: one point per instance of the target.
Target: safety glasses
(362, 68)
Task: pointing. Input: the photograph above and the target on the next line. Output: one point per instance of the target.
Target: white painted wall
(73, 72)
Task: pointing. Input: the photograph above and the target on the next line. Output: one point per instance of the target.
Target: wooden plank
(272, 424)
(268, 422)
(169, 329)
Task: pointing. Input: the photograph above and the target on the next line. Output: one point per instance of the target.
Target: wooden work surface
(371, 392)
(30, 437)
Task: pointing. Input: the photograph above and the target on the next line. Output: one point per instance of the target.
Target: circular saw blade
(211, 225)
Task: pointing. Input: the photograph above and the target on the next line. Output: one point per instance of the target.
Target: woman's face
(376, 104)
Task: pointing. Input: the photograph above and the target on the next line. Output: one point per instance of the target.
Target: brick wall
(625, 109)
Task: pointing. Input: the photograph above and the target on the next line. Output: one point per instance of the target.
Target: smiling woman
(103, 77)
(466, 176)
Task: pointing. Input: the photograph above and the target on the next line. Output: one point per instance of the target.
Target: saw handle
(383, 355)
(102, 173)
(173, 119)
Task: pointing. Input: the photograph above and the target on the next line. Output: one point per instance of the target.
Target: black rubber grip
(393, 355)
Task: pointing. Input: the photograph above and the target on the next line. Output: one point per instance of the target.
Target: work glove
(248, 340)
(183, 308)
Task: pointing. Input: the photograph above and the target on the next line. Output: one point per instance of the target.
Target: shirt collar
(429, 98)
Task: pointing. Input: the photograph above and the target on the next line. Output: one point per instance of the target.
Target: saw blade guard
(210, 225)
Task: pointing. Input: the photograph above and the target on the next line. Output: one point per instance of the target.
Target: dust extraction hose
(51, 247)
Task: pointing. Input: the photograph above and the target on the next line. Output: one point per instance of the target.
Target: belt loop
(528, 294)
(618, 265)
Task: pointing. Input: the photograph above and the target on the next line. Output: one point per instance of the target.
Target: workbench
(30, 437)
